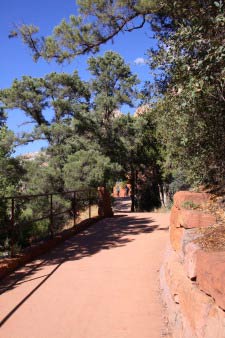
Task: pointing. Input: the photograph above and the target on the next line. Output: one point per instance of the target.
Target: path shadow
(105, 235)
(122, 204)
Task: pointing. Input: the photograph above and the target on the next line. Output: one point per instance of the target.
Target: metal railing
(13, 226)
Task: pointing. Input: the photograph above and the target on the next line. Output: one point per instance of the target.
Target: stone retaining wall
(192, 279)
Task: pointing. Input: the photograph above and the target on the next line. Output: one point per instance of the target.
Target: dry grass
(82, 216)
(213, 238)
(85, 214)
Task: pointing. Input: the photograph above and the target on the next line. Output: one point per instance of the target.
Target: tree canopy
(113, 83)
(187, 96)
(176, 141)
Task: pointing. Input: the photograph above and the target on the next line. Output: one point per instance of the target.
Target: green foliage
(148, 197)
(178, 141)
(175, 182)
(98, 22)
(26, 95)
(190, 85)
(11, 173)
(10, 168)
(66, 95)
(190, 205)
(191, 54)
(90, 144)
(88, 168)
(137, 153)
(113, 83)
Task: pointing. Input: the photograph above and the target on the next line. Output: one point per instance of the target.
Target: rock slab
(210, 271)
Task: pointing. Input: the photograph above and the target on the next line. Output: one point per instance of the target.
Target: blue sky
(16, 59)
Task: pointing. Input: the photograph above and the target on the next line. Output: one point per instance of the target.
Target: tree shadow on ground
(107, 234)
(122, 204)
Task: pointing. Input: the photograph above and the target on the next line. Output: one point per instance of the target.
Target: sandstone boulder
(176, 237)
(190, 253)
(181, 197)
(215, 325)
(195, 219)
(210, 270)
(192, 306)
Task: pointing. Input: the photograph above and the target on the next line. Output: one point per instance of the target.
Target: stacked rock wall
(193, 280)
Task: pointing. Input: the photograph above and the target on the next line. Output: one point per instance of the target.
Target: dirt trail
(102, 283)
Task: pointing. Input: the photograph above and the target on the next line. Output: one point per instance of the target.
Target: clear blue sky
(16, 59)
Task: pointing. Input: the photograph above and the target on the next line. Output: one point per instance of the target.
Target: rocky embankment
(193, 273)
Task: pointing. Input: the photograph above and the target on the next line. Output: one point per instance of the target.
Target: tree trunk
(132, 194)
(161, 194)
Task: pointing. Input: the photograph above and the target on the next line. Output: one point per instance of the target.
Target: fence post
(74, 208)
(12, 221)
(51, 216)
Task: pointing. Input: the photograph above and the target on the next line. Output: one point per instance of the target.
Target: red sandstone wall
(193, 280)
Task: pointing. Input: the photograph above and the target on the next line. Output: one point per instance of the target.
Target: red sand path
(102, 283)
